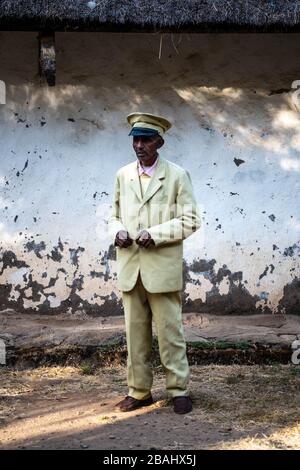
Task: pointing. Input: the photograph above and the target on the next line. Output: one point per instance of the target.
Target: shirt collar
(147, 170)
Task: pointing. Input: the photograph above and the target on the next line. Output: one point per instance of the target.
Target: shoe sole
(183, 412)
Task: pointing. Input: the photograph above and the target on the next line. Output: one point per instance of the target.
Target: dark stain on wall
(290, 302)
(74, 254)
(238, 300)
(9, 260)
(36, 287)
(55, 255)
(33, 290)
(111, 306)
(238, 161)
(56, 252)
(35, 247)
(26, 165)
(264, 273)
(108, 255)
(5, 290)
(292, 250)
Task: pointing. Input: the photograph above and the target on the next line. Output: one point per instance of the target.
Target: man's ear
(160, 142)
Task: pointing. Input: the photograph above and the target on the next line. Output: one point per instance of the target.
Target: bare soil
(235, 407)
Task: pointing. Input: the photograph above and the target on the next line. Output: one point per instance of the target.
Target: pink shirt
(147, 170)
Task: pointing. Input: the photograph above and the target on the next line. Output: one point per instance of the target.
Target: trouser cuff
(139, 394)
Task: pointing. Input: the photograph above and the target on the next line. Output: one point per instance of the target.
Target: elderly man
(153, 211)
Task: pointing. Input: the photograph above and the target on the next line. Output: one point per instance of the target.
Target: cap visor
(139, 131)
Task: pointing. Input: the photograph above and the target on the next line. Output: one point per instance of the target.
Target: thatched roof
(177, 15)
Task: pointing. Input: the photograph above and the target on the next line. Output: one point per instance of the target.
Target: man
(153, 211)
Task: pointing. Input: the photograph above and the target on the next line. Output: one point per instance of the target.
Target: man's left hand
(144, 239)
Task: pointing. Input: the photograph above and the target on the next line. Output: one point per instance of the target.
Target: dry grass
(264, 400)
(260, 404)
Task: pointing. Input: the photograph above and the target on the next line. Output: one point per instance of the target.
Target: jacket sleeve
(187, 217)
(115, 221)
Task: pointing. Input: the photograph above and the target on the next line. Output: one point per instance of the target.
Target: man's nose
(139, 143)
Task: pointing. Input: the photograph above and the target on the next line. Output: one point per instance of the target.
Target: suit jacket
(168, 211)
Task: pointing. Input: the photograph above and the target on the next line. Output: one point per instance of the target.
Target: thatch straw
(160, 14)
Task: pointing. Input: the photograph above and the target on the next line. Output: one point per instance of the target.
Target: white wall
(227, 96)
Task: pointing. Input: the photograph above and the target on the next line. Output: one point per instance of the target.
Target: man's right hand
(123, 239)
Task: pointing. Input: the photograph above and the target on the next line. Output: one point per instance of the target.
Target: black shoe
(182, 404)
(130, 403)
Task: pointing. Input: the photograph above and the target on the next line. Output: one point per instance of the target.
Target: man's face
(146, 147)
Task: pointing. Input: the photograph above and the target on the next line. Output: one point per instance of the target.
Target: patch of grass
(295, 371)
(111, 371)
(206, 401)
(219, 345)
(116, 344)
(275, 367)
(87, 369)
(272, 361)
(234, 378)
(110, 345)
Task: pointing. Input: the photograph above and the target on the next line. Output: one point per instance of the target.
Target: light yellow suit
(168, 211)
(151, 279)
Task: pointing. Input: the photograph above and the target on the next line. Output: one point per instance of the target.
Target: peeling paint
(60, 152)
(36, 247)
(292, 250)
(290, 301)
(224, 292)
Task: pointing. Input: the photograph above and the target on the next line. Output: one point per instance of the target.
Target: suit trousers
(140, 307)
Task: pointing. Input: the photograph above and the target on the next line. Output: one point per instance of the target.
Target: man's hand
(144, 239)
(123, 239)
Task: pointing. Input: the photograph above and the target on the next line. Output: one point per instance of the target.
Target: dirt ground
(235, 407)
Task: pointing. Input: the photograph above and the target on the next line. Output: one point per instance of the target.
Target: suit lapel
(135, 182)
(156, 181)
(154, 185)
